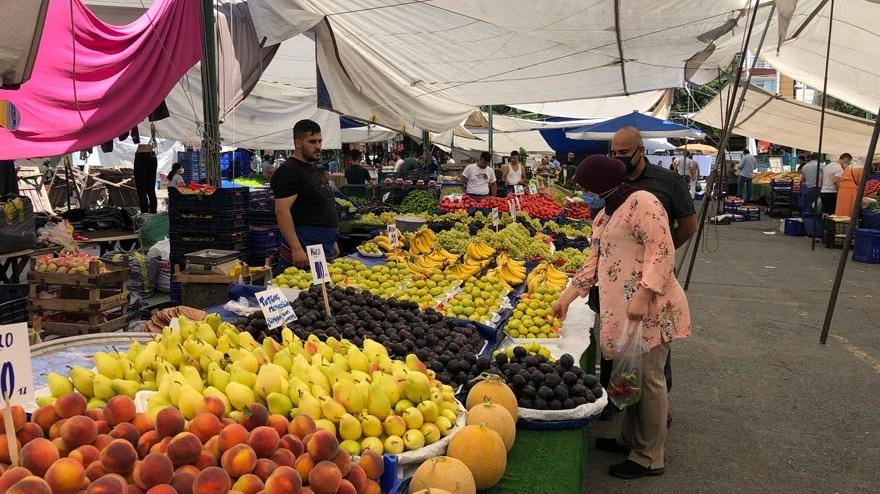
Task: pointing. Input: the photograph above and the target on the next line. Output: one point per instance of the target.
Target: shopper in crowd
(674, 166)
(633, 263)
(512, 173)
(267, 168)
(846, 192)
(144, 170)
(305, 207)
(570, 166)
(479, 178)
(810, 173)
(831, 175)
(746, 168)
(398, 161)
(175, 176)
(355, 173)
(693, 173)
(801, 161)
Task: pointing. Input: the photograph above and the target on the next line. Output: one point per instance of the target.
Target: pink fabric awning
(122, 74)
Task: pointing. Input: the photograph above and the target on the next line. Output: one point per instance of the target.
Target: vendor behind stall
(479, 178)
(305, 207)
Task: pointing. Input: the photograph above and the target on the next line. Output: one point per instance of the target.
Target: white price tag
(318, 264)
(276, 307)
(385, 196)
(16, 377)
(518, 189)
(511, 206)
(393, 236)
(495, 218)
(533, 189)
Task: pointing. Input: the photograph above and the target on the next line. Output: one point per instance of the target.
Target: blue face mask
(595, 202)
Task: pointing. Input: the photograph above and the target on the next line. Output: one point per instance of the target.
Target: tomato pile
(539, 206)
(465, 203)
(872, 187)
(577, 210)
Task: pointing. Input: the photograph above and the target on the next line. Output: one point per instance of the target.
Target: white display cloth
(791, 123)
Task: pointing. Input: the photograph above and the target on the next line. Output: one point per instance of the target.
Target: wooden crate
(79, 300)
(93, 278)
(73, 329)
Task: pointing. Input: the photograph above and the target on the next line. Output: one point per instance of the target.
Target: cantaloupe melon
(496, 418)
(432, 491)
(494, 388)
(482, 450)
(445, 473)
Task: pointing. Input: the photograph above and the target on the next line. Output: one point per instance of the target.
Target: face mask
(630, 161)
(595, 202)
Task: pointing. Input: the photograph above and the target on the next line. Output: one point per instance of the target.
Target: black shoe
(631, 470)
(611, 445)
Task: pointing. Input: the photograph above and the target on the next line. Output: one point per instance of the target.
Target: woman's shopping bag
(625, 388)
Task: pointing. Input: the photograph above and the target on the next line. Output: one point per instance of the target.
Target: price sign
(518, 189)
(511, 206)
(318, 264)
(16, 378)
(495, 218)
(385, 196)
(393, 236)
(533, 189)
(276, 308)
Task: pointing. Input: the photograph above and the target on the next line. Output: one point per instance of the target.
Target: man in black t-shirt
(305, 207)
(355, 173)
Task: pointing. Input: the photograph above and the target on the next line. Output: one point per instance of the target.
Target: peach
(304, 464)
(18, 419)
(183, 482)
(161, 489)
(28, 432)
(61, 446)
(85, 454)
(206, 459)
(212, 405)
(146, 442)
(292, 443)
(323, 445)
(248, 484)
(264, 468)
(301, 426)
(239, 460)
(154, 469)
(264, 441)
(78, 430)
(279, 423)
(253, 416)
(231, 435)
(358, 478)
(95, 414)
(102, 441)
(161, 446)
(184, 449)
(70, 405)
(143, 422)
(372, 464)
(325, 478)
(133, 489)
(119, 457)
(103, 426)
(126, 431)
(283, 480)
(55, 429)
(283, 457)
(108, 484)
(12, 476)
(96, 471)
(372, 488)
(306, 490)
(205, 426)
(45, 417)
(212, 480)
(30, 485)
(38, 455)
(343, 461)
(346, 487)
(119, 409)
(190, 469)
(169, 422)
(4, 449)
(213, 447)
(66, 476)
(227, 421)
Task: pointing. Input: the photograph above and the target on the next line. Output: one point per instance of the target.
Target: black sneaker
(611, 445)
(631, 470)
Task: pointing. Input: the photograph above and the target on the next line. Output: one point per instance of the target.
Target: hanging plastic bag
(625, 388)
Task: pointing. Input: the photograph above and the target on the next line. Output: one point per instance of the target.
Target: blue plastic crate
(814, 226)
(870, 219)
(226, 199)
(749, 214)
(867, 246)
(794, 227)
(264, 239)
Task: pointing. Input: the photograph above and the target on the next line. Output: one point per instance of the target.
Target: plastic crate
(175, 292)
(182, 244)
(813, 225)
(263, 239)
(209, 222)
(834, 234)
(749, 213)
(227, 199)
(870, 219)
(13, 303)
(261, 217)
(867, 246)
(794, 227)
(193, 166)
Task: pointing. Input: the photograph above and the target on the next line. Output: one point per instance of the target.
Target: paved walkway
(758, 404)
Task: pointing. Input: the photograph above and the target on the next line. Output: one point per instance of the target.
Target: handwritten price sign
(276, 307)
(16, 377)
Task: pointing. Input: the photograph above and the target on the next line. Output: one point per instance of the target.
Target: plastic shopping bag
(625, 388)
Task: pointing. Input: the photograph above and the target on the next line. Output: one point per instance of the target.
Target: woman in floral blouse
(633, 260)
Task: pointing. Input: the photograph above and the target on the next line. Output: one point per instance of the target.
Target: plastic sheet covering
(16, 224)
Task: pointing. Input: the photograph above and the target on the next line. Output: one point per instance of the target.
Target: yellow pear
(103, 387)
(309, 405)
(377, 402)
(417, 388)
(58, 384)
(108, 366)
(357, 360)
(193, 378)
(331, 409)
(239, 395)
(371, 425)
(190, 399)
(83, 380)
(127, 388)
(349, 427)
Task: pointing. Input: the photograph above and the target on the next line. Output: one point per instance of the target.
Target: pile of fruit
(463, 203)
(455, 239)
(872, 187)
(517, 241)
(569, 259)
(68, 262)
(345, 204)
(378, 220)
(539, 206)
(418, 201)
(371, 249)
(479, 299)
(293, 278)
(67, 448)
(546, 276)
(576, 209)
(532, 319)
(252, 180)
(531, 348)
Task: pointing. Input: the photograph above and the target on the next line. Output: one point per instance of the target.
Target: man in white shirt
(746, 168)
(831, 176)
(479, 178)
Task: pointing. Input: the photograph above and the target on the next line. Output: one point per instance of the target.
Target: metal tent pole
(211, 137)
(731, 123)
(491, 131)
(857, 208)
(822, 129)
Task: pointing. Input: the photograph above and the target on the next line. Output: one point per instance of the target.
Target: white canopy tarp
(655, 103)
(792, 123)
(123, 155)
(367, 133)
(502, 143)
(428, 64)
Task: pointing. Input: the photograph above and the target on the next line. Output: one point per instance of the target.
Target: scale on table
(211, 261)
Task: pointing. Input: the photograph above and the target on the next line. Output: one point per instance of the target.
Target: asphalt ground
(758, 404)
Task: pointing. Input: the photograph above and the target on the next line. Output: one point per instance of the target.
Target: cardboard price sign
(495, 218)
(518, 189)
(276, 308)
(393, 236)
(16, 377)
(318, 264)
(533, 189)
(511, 205)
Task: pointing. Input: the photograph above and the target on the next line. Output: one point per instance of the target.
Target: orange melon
(493, 388)
(496, 418)
(445, 473)
(482, 450)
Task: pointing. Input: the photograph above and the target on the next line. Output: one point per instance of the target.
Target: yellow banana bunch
(556, 279)
(464, 271)
(428, 262)
(450, 257)
(479, 251)
(422, 242)
(417, 268)
(383, 242)
(546, 276)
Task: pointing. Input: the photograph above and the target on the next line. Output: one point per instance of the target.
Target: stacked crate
(780, 201)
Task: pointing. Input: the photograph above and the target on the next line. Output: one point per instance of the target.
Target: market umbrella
(649, 127)
(698, 148)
